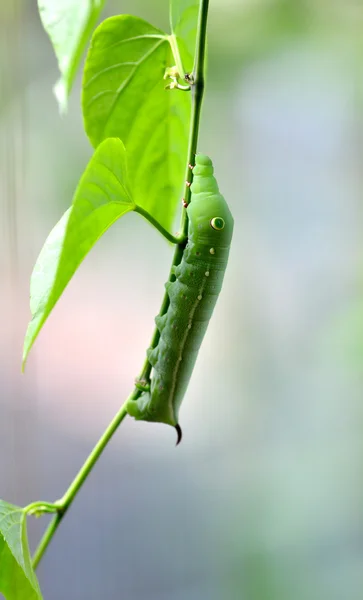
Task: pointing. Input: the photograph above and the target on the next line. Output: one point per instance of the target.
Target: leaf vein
(107, 69)
(136, 37)
(125, 83)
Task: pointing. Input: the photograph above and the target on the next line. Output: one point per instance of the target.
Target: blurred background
(263, 500)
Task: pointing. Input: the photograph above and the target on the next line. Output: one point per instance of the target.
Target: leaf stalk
(174, 239)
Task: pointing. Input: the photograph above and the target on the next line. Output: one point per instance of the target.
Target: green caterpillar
(193, 295)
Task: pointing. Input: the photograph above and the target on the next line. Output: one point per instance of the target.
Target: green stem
(175, 50)
(45, 541)
(174, 239)
(37, 508)
(197, 100)
(64, 503)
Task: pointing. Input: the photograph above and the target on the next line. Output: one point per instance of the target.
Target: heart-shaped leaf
(124, 96)
(17, 578)
(69, 24)
(183, 22)
(102, 196)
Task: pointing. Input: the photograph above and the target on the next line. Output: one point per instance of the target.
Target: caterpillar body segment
(193, 295)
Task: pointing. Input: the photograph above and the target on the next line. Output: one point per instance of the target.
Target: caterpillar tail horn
(180, 434)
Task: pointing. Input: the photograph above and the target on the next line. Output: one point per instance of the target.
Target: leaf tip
(26, 349)
(61, 93)
(29, 340)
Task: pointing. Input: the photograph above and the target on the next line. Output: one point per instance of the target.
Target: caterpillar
(193, 293)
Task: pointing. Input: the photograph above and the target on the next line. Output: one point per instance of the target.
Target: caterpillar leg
(176, 271)
(142, 385)
(152, 355)
(160, 322)
(138, 408)
(168, 286)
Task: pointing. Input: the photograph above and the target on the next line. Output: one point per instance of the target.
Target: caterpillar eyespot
(217, 223)
(198, 279)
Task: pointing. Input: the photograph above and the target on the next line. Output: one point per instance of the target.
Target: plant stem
(64, 503)
(47, 537)
(171, 238)
(40, 507)
(197, 100)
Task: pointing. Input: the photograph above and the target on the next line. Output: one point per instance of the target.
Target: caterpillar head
(211, 221)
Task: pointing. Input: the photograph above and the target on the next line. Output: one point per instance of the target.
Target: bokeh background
(263, 500)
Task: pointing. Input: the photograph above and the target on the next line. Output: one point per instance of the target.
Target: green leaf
(124, 96)
(69, 24)
(17, 578)
(102, 196)
(183, 23)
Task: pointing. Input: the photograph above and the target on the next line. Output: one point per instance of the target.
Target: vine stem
(64, 503)
(197, 86)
